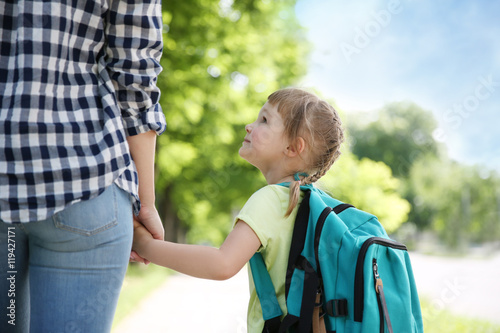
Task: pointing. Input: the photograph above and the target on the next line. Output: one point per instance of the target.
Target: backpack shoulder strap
(263, 284)
(298, 239)
(264, 287)
(310, 281)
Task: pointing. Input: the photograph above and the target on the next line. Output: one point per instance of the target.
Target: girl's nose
(248, 128)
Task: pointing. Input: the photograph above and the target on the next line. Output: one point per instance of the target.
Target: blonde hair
(318, 123)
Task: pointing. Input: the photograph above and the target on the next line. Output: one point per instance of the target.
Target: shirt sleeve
(259, 212)
(134, 36)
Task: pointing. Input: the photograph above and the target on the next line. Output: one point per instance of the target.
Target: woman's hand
(147, 221)
(149, 218)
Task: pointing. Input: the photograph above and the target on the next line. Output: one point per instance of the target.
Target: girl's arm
(198, 260)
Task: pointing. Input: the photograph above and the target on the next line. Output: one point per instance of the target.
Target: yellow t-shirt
(264, 212)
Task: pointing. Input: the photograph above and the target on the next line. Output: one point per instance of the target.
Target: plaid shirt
(76, 78)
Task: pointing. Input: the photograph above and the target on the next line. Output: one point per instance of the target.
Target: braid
(320, 173)
(294, 196)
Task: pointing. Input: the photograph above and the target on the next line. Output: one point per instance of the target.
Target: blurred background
(417, 84)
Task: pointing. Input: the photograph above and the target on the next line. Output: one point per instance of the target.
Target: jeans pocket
(90, 217)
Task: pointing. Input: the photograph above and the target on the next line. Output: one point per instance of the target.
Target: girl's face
(265, 142)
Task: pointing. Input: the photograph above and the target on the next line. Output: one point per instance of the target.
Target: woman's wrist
(148, 205)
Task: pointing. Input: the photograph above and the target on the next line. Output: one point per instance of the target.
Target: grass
(140, 281)
(442, 321)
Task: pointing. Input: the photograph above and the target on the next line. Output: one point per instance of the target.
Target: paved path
(184, 304)
(465, 286)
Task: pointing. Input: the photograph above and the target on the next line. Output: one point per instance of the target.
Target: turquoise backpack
(343, 263)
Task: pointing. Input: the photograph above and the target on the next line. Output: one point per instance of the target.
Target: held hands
(149, 218)
(147, 226)
(141, 238)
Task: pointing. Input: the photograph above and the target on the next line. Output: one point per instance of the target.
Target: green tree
(401, 135)
(463, 202)
(221, 60)
(460, 203)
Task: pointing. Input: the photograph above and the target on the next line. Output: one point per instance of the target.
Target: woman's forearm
(142, 148)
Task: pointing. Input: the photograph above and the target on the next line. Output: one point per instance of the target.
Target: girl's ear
(297, 148)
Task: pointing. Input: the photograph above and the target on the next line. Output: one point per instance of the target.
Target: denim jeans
(64, 274)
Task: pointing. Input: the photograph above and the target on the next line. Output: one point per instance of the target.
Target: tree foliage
(221, 60)
(460, 203)
(400, 136)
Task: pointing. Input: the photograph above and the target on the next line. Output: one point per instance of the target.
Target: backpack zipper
(378, 281)
(382, 304)
(359, 292)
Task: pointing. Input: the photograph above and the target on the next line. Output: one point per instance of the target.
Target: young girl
(296, 138)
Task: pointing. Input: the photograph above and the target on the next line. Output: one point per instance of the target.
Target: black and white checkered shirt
(76, 78)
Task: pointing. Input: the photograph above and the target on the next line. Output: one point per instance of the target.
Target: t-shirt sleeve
(259, 212)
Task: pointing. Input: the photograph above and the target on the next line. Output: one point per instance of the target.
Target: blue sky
(443, 55)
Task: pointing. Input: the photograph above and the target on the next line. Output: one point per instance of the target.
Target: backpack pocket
(384, 289)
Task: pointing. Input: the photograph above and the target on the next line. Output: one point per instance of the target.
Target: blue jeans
(64, 274)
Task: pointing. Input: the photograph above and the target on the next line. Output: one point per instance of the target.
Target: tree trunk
(174, 231)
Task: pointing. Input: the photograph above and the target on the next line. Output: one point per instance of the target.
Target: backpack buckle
(337, 307)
